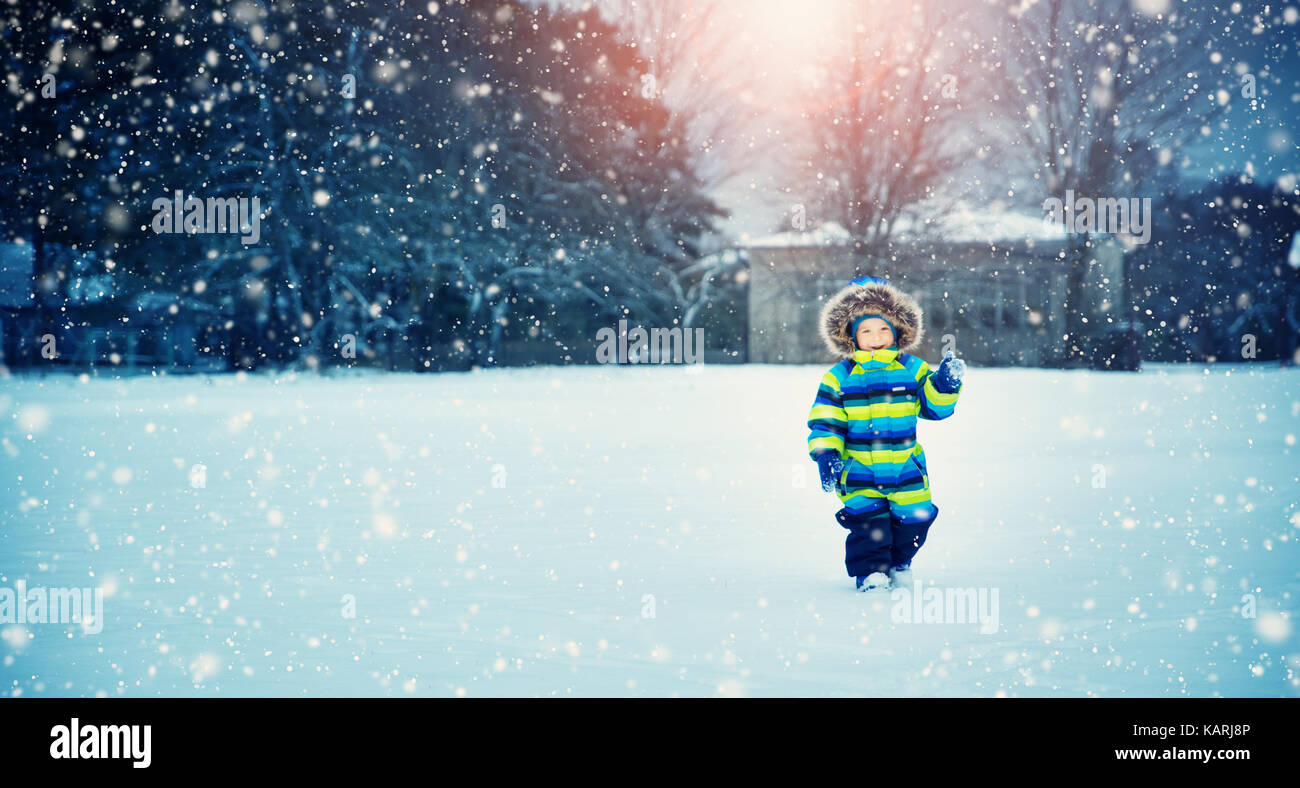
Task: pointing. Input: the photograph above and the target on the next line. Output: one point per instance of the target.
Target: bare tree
(700, 78)
(892, 127)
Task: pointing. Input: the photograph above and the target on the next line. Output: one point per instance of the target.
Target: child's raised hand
(947, 378)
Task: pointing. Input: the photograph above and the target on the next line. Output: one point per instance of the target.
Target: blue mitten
(830, 466)
(947, 378)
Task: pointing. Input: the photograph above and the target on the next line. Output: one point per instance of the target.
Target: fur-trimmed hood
(870, 299)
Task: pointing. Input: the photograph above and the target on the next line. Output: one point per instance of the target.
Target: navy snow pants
(878, 541)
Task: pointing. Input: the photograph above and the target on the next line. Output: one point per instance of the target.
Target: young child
(863, 426)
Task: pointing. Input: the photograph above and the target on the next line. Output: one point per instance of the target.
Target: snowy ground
(643, 531)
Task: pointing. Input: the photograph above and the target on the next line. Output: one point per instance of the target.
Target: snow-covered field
(643, 531)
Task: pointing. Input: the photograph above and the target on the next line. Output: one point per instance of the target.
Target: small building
(992, 286)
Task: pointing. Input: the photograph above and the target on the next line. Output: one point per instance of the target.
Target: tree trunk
(1077, 259)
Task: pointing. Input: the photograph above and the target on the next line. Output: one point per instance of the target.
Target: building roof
(826, 234)
(967, 225)
(963, 224)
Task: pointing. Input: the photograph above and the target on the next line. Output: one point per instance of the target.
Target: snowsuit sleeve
(827, 419)
(934, 404)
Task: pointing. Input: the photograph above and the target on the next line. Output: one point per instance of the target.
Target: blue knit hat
(857, 321)
(868, 279)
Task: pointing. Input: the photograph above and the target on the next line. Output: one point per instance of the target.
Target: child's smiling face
(874, 334)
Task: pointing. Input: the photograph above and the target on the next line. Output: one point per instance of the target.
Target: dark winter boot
(900, 576)
(874, 582)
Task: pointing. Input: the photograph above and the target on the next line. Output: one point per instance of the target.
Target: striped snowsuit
(866, 409)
